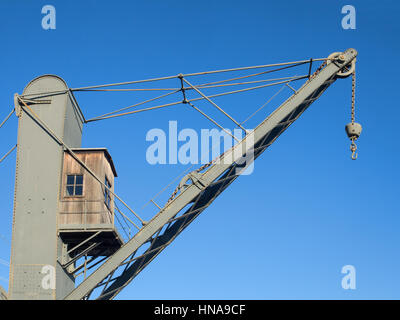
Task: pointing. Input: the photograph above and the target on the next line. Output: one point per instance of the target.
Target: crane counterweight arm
(163, 228)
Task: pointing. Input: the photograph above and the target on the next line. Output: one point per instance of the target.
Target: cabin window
(107, 194)
(74, 185)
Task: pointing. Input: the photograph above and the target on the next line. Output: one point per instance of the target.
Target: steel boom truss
(177, 214)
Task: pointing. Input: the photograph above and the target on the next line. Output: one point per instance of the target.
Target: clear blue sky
(283, 232)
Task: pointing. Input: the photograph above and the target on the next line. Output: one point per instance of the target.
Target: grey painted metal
(35, 241)
(213, 182)
(7, 154)
(6, 119)
(198, 74)
(3, 294)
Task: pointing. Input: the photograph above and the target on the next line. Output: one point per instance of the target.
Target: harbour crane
(119, 262)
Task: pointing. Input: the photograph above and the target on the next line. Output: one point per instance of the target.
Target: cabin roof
(104, 150)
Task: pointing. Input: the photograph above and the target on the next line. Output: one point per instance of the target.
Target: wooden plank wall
(72, 209)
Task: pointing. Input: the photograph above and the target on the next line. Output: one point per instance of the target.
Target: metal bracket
(197, 179)
(18, 109)
(340, 61)
(18, 106)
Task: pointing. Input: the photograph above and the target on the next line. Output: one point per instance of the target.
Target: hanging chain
(353, 95)
(353, 146)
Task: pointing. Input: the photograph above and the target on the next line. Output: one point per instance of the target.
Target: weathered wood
(90, 208)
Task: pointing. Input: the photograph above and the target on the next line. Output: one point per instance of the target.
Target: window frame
(74, 185)
(107, 194)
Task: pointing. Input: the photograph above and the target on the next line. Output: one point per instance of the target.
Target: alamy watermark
(49, 20)
(49, 278)
(4, 262)
(349, 20)
(187, 147)
(349, 280)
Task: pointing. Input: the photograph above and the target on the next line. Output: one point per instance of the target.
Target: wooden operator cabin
(87, 208)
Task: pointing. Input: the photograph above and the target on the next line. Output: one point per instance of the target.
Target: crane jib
(195, 199)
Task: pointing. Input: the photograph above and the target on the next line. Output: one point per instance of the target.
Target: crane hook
(353, 131)
(353, 149)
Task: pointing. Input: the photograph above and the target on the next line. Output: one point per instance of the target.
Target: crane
(204, 188)
(197, 189)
